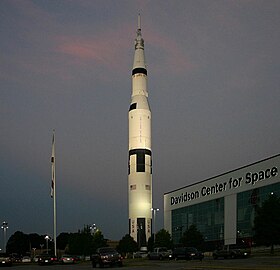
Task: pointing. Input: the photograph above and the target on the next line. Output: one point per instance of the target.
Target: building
(139, 149)
(222, 207)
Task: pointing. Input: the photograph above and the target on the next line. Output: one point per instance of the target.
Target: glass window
(208, 218)
(246, 207)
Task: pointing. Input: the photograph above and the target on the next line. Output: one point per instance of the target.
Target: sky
(214, 92)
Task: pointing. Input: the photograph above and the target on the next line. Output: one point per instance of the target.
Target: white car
(36, 258)
(26, 259)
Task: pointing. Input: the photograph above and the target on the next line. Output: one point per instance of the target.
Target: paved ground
(258, 263)
(253, 263)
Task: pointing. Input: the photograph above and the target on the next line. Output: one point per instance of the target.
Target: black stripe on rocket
(140, 159)
(139, 70)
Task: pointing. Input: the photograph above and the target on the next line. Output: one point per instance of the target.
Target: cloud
(87, 51)
(170, 57)
(108, 49)
(52, 48)
(114, 49)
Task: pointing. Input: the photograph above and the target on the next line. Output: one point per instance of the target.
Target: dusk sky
(214, 92)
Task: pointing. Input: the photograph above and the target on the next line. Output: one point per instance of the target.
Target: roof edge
(213, 177)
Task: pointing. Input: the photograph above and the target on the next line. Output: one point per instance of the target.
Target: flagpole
(53, 191)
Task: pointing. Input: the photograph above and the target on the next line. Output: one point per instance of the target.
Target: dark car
(5, 260)
(232, 251)
(16, 258)
(187, 253)
(46, 259)
(106, 256)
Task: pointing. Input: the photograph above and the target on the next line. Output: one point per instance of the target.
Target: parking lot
(258, 263)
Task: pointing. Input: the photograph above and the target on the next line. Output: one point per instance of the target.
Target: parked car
(16, 258)
(160, 253)
(26, 259)
(46, 259)
(77, 258)
(65, 259)
(106, 256)
(187, 253)
(232, 251)
(140, 254)
(36, 258)
(5, 260)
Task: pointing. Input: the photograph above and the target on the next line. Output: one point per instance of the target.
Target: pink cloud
(110, 50)
(173, 58)
(83, 50)
(107, 49)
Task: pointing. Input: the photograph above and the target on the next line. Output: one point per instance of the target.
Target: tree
(84, 243)
(151, 243)
(192, 238)
(80, 244)
(127, 245)
(63, 240)
(163, 239)
(267, 222)
(18, 243)
(36, 240)
(98, 240)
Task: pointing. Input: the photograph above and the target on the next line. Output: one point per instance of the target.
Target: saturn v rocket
(140, 151)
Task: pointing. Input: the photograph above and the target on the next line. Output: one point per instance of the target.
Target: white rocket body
(140, 151)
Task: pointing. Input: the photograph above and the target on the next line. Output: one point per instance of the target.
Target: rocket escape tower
(140, 151)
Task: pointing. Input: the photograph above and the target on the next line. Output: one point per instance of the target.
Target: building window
(247, 202)
(208, 218)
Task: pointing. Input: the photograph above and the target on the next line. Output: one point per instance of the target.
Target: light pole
(34, 252)
(154, 210)
(47, 243)
(4, 227)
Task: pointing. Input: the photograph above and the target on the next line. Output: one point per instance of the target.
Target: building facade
(223, 207)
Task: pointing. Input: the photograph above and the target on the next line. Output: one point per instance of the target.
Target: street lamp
(93, 229)
(4, 227)
(154, 210)
(47, 243)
